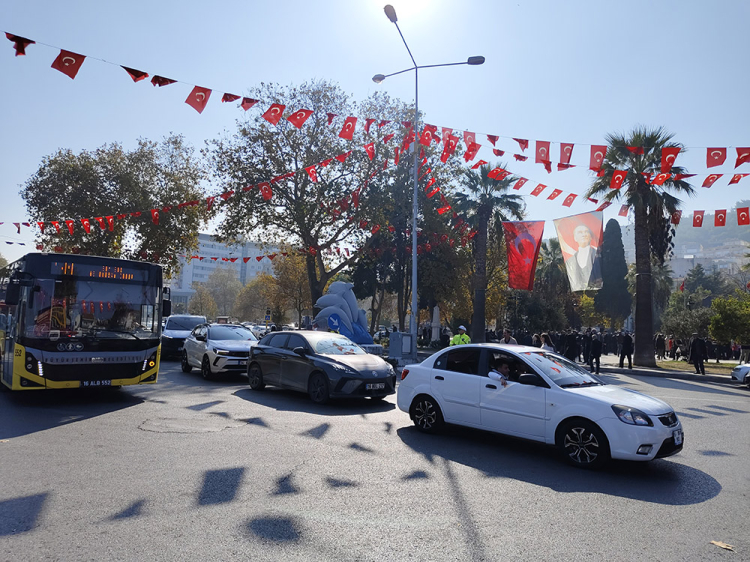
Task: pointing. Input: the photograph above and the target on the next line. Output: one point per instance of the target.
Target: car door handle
(492, 386)
(438, 377)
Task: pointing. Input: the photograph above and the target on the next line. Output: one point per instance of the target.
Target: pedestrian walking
(595, 352)
(697, 353)
(626, 350)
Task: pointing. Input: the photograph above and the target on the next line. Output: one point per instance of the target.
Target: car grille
(669, 419)
(239, 353)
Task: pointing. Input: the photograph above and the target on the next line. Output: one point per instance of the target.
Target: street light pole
(378, 78)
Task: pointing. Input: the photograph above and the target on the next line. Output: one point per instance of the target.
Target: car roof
(502, 347)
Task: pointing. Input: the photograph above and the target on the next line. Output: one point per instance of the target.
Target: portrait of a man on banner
(580, 239)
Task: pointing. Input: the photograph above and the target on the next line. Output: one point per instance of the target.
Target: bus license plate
(375, 386)
(677, 436)
(96, 383)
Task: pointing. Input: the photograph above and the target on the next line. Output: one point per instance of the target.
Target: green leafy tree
(291, 283)
(613, 299)
(686, 314)
(481, 199)
(224, 286)
(112, 181)
(251, 302)
(202, 303)
(588, 313)
(731, 318)
(652, 206)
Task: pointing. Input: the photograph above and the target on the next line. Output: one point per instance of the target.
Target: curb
(666, 374)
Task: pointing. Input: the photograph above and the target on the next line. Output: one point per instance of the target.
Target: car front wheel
(206, 368)
(426, 414)
(186, 368)
(255, 376)
(317, 388)
(584, 444)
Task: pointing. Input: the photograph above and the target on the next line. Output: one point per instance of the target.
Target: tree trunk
(644, 327)
(478, 320)
(315, 290)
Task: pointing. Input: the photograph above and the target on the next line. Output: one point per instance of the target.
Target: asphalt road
(194, 470)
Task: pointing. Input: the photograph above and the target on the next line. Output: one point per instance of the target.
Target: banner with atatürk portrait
(580, 239)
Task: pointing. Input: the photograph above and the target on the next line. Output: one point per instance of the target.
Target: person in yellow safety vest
(460, 338)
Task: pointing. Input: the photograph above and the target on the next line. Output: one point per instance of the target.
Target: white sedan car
(217, 348)
(542, 397)
(741, 374)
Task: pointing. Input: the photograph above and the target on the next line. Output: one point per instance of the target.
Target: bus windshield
(78, 307)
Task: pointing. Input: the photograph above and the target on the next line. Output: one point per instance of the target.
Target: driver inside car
(501, 370)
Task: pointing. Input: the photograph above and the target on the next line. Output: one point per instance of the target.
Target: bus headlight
(149, 363)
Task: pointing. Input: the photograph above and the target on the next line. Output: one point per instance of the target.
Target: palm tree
(651, 204)
(551, 272)
(484, 199)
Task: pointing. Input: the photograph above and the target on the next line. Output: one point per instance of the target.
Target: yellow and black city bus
(71, 321)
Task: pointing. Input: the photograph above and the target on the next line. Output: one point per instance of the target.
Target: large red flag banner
(522, 242)
(580, 239)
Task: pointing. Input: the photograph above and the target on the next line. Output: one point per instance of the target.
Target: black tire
(426, 414)
(186, 368)
(255, 377)
(317, 388)
(206, 368)
(583, 444)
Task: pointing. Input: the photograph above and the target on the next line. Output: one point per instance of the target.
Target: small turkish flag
(368, 122)
(312, 173)
(682, 286)
(229, 98)
(520, 183)
(427, 133)
(102, 223)
(618, 176)
(493, 139)
(210, 202)
(18, 226)
(478, 164)
(432, 192)
(331, 117)
(469, 138)
(136, 75)
(370, 150)
(624, 211)
(299, 117)
(446, 133)
(274, 113)
(429, 183)
(406, 124)
(444, 209)
(69, 223)
(266, 190)
(737, 177)
(711, 179)
(538, 189)
(720, 218)
(56, 225)
(554, 194)
(498, 152)
(382, 124)
(110, 222)
(542, 152)
(636, 149)
(347, 131)
(660, 179)
(450, 146)
(668, 156)
(598, 152)
(498, 174)
(68, 63)
(161, 81)
(246, 259)
(520, 158)
(715, 157)
(523, 143)
(258, 258)
(566, 150)
(471, 151)
(198, 98)
(41, 226)
(743, 155)
(698, 218)
(19, 43)
(569, 200)
(226, 195)
(342, 157)
(679, 177)
(603, 205)
(247, 103)
(561, 167)
(375, 229)
(743, 215)
(155, 216)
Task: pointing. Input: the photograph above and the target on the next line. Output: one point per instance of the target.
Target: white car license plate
(375, 386)
(677, 436)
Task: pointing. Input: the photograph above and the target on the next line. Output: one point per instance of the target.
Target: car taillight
(404, 373)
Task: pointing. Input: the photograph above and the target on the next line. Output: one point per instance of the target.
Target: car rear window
(460, 360)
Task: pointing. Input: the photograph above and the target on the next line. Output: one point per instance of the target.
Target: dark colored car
(176, 329)
(324, 365)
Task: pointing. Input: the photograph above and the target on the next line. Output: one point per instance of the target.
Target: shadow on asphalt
(662, 481)
(291, 401)
(26, 412)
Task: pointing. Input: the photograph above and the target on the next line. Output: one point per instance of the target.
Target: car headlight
(631, 416)
(220, 351)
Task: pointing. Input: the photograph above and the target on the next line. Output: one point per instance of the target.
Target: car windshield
(563, 372)
(230, 333)
(337, 346)
(185, 323)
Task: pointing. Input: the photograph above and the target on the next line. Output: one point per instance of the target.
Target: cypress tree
(613, 299)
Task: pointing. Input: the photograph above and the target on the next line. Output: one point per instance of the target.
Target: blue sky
(557, 71)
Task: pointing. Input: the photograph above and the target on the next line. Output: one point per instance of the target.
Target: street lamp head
(378, 78)
(391, 13)
(475, 61)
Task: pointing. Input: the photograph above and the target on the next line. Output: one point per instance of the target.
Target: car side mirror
(200, 338)
(301, 351)
(531, 379)
(166, 308)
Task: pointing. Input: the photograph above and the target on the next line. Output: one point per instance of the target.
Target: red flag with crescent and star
(110, 222)
(523, 143)
(469, 138)
(69, 63)
(427, 133)
(102, 222)
(598, 152)
(709, 181)
(479, 164)
(569, 200)
(542, 152)
(566, 150)
(370, 149)
(368, 123)
(447, 133)
(312, 173)
(743, 155)
(161, 81)
(347, 131)
(226, 98)
(661, 178)
(498, 174)
(274, 113)
(698, 218)
(555, 193)
(604, 205)
(136, 75)
(715, 157)
(520, 158)
(538, 189)
(155, 216)
(198, 98)
(247, 103)
(450, 146)
(86, 225)
(498, 152)
(493, 139)
(520, 183)
(69, 223)
(266, 190)
(737, 177)
(720, 218)
(522, 243)
(618, 176)
(299, 117)
(668, 156)
(624, 211)
(743, 216)
(676, 217)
